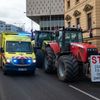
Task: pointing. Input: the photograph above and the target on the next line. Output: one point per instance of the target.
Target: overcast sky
(12, 12)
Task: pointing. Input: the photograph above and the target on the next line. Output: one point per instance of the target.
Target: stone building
(47, 13)
(84, 14)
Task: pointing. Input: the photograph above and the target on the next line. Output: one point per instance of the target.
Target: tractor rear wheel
(68, 69)
(48, 60)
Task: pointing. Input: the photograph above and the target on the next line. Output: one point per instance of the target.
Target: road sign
(95, 68)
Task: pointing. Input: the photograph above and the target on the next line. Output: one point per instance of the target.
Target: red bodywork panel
(55, 46)
(79, 50)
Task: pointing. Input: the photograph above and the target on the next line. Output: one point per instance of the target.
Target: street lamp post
(31, 21)
(50, 15)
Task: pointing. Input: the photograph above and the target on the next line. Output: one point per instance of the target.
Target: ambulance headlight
(34, 60)
(8, 60)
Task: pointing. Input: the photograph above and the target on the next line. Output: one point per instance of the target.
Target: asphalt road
(46, 87)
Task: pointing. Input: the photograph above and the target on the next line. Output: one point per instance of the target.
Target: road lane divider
(75, 88)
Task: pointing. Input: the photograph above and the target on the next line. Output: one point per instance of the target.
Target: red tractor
(69, 55)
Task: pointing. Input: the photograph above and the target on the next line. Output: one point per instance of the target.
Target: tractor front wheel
(68, 69)
(48, 60)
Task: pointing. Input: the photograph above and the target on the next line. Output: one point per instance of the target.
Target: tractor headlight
(92, 49)
(95, 49)
(8, 60)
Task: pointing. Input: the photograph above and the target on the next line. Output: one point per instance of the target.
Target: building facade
(11, 28)
(47, 13)
(2, 26)
(84, 14)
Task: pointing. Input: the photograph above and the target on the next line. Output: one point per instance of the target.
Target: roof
(43, 31)
(71, 29)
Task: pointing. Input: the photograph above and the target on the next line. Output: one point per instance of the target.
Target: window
(52, 28)
(60, 38)
(68, 4)
(41, 28)
(45, 35)
(45, 28)
(1, 26)
(77, 22)
(69, 24)
(77, 1)
(17, 46)
(89, 21)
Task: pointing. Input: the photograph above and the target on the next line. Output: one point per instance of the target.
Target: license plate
(22, 69)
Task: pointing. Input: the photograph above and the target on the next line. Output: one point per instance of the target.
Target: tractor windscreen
(45, 36)
(73, 36)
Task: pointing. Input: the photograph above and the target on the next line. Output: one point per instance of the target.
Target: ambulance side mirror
(1, 50)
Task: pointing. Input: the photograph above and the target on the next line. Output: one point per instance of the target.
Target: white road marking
(84, 92)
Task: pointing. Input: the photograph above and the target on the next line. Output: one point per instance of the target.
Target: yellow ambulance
(17, 54)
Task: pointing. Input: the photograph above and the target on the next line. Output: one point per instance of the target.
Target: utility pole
(31, 24)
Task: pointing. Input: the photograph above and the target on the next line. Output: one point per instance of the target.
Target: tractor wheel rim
(61, 69)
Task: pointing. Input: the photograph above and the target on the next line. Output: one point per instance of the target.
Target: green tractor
(41, 39)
